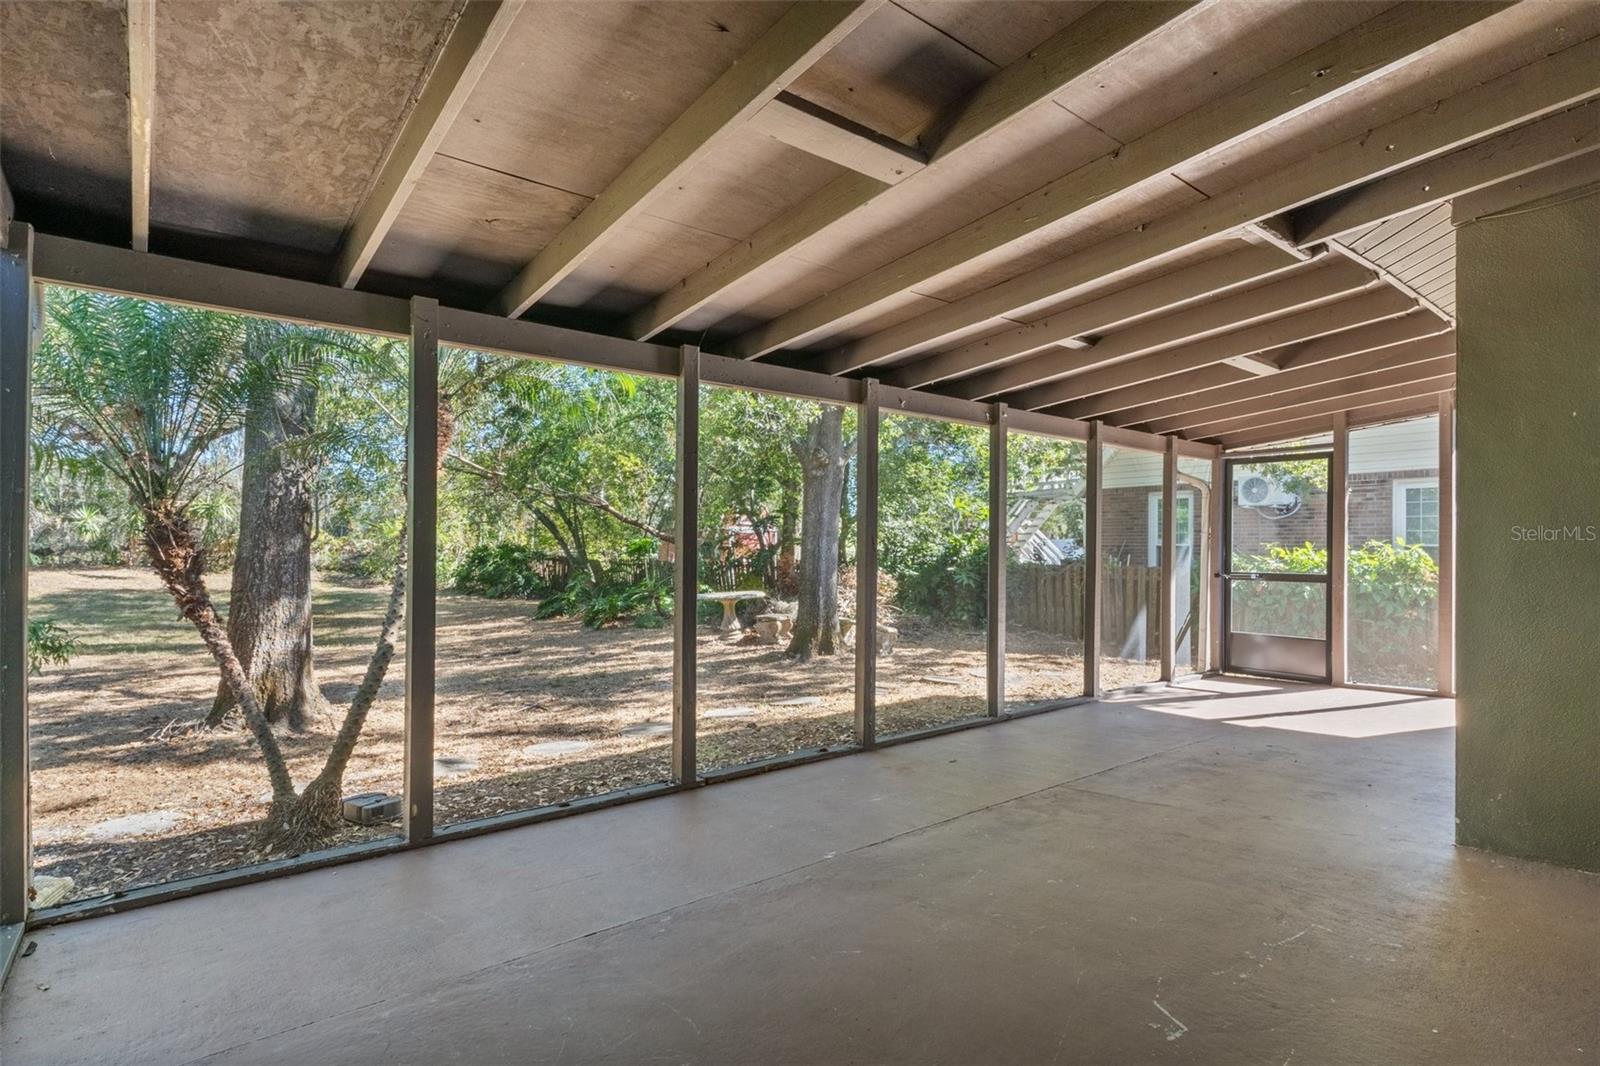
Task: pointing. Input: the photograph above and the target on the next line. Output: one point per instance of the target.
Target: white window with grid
(1416, 512)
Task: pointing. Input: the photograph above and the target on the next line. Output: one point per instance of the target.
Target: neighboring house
(1393, 481)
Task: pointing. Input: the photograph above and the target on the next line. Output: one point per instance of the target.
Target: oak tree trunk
(822, 461)
(269, 610)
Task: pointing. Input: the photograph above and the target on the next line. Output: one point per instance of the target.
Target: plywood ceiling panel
(647, 257)
(894, 74)
(749, 180)
(271, 119)
(1025, 23)
(579, 89)
(472, 227)
(63, 106)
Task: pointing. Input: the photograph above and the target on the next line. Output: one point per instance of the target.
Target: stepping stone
(551, 748)
(938, 679)
(453, 765)
(800, 701)
(145, 823)
(729, 712)
(646, 729)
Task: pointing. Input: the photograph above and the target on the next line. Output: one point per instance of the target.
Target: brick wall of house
(1371, 508)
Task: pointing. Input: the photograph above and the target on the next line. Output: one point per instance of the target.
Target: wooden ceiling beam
(478, 32)
(814, 129)
(1086, 391)
(1189, 408)
(1293, 403)
(1552, 84)
(1540, 144)
(1369, 409)
(1405, 34)
(141, 114)
(1333, 279)
(1251, 264)
(788, 49)
(1186, 388)
(1575, 173)
(1080, 49)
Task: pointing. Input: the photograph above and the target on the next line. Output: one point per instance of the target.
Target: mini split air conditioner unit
(1257, 491)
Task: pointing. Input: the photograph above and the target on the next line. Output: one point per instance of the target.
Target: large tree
(150, 392)
(823, 459)
(269, 603)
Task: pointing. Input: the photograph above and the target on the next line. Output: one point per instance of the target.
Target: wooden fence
(1050, 599)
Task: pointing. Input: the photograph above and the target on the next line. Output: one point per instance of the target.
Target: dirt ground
(530, 713)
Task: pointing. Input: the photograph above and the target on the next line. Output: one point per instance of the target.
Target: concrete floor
(1226, 872)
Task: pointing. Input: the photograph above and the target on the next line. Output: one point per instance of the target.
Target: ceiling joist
(141, 113)
(1368, 415)
(1076, 52)
(1299, 419)
(814, 129)
(1083, 392)
(1251, 264)
(1405, 34)
(1174, 393)
(478, 32)
(1575, 173)
(796, 41)
(1295, 402)
(1186, 409)
(1553, 84)
(1540, 144)
(1331, 280)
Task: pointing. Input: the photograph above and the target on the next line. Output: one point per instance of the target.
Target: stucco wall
(1528, 607)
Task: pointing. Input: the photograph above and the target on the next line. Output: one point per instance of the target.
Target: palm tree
(149, 392)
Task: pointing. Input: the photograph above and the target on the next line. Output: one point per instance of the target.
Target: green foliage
(644, 599)
(1392, 597)
(49, 644)
(504, 569)
(933, 517)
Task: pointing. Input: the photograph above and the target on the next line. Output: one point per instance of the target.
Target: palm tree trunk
(179, 561)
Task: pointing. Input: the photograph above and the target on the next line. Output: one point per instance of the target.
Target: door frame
(1227, 575)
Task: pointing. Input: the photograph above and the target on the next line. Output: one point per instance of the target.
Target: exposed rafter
(1296, 402)
(478, 32)
(1181, 388)
(812, 128)
(1197, 399)
(1332, 280)
(1576, 173)
(796, 41)
(1405, 34)
(1087, 387)
(141, 113)
(1553, 84)
(1366, 410)
(1251, 264)
(1540, 144)
(1075, 52)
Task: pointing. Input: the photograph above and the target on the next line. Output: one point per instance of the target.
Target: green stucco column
(1528, 515)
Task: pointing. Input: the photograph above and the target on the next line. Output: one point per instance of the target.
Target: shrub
(48, 645)
(1393, 592)
(503, 570)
